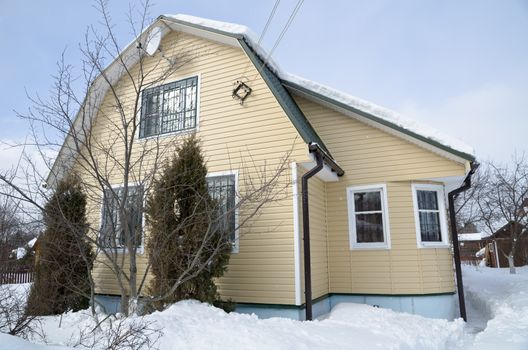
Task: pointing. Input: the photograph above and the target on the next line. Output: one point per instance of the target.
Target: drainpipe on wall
(321, 158)
(456, 249)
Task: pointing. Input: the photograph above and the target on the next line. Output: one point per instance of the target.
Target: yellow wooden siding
(234, 137)
(371, 156)
(318, 235)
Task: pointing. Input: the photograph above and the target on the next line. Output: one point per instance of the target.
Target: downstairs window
(368, 217)
(430, 215)
(113, 234)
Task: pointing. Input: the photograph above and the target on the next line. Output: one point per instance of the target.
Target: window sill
(432, 245)
(369, 247)
(140, 250)
(167, 134)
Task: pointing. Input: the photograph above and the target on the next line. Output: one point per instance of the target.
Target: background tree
(186, 229)
(499, 199)
(65, 257)
(15, 231)
(503, 199)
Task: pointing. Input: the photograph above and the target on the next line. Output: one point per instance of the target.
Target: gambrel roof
(282, 85)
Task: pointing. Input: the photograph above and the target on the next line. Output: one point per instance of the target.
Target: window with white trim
(222, 188)
(169, 108)
(112, 232)
(368, 216)
(430, 215)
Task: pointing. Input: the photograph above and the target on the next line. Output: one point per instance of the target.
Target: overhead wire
(281, 35)
(263, 33)
(270, 17)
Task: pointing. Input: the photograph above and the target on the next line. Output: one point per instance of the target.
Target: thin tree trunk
(511, 256)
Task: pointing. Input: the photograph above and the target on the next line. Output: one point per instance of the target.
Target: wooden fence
(14, 274)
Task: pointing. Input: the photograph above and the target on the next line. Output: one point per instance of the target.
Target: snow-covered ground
(501, 299)
(497, 309)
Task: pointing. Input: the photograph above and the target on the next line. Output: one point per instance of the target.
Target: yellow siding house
(378, 212)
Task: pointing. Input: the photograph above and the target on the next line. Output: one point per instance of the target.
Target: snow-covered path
(502, 299)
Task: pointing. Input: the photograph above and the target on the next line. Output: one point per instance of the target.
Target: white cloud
(15, 157)
(492, 118)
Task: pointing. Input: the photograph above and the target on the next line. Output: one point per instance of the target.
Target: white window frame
(177, 132)
(236, 246)
(141, 248)
(352, 217)
(440, 195)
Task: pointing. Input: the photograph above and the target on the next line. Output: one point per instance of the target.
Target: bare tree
(13, 317)
(95, 133)
(502, 201)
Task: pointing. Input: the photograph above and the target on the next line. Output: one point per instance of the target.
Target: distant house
(470, 244)
(378, 214)
(499, 244)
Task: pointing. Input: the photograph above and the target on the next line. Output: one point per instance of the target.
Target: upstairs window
(222, 188)
(430, 215)
(112, 232)
(368, 217)
(169, 108)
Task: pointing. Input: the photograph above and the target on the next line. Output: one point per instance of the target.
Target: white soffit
(202, 33)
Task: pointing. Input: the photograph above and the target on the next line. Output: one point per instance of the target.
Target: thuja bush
(187, 247)
(64, 257)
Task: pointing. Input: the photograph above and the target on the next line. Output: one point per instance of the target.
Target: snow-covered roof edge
(243, 33)
(476, 236)
(379, 114)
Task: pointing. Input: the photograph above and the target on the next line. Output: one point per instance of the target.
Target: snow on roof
(380, 112)
(333, 94)
(477, 236)
(32, 242)
(232, 28)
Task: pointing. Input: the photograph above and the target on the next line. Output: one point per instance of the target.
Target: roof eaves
(381, 121)
(197, 26)
(284, 98)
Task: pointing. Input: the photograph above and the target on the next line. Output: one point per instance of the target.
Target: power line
(270, 17)
(268, 22)
(281, 35)
(286, 27)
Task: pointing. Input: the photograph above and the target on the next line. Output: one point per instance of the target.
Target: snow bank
(194, 325)
(352, 101)
(496, 299)
(9, 342)
(504, 298)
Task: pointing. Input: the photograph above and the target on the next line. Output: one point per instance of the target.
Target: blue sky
(458, 66)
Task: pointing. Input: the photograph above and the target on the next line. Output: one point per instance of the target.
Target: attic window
(241, 91)
(169, 108)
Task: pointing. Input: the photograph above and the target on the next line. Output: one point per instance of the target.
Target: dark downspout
(321, 158)
(306, 235)
(456, 249)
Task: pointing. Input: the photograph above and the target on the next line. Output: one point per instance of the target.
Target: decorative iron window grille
(112, 232)
(222, 189)
(429, 216)
(169, 108)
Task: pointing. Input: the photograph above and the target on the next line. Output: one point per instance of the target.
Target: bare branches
(119, 334)
(13, 318)
(499, 200)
